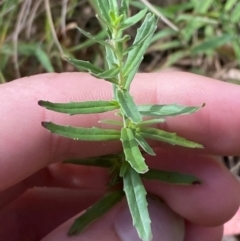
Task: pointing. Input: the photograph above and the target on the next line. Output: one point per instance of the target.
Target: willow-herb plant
(127, 168)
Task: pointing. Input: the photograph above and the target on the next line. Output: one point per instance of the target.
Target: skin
(39, 197)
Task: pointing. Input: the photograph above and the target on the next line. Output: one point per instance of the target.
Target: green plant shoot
(136, 122)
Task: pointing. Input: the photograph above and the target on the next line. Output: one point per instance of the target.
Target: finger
(75, 177)
(40, 210)
(117, 225)
(233, 226)
(24, 140)
(210, 204)
(199, 233)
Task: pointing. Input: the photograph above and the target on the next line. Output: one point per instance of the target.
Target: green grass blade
(95, 211)
(131, 150)
(229, 5)
(143, 143)
(136, 198)
(128, 106)
(74, 108)
(235, 15)
(167, 110)
(44, 59)
(168, 137)
(84, 134)
(212, 43)
(171, 177)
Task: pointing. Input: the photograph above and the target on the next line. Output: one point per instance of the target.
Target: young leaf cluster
(136, 122)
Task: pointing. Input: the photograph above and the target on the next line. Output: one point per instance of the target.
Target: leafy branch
(128, 167)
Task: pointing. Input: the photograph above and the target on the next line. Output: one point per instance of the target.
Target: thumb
(117, 225)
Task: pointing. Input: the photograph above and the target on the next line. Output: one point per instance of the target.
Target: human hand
(29, 157)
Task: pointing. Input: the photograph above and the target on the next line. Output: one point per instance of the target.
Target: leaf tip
(45, 124)
(41, 102)
(197, 182)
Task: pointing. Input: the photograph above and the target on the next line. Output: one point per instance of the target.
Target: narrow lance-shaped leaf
(135, 56)
(111, 61)
(105, 161)
(167, 110)
(151, 122)
(131, 150)
(143, 143)
(84, 65)
(96, 40)
(110, 75)
(171, 177)
(93, 70)
(97, 162)
(134, 19)
(111, 122)
(114, 7)
(128, 106)
(104, 8)
(84, 134)
(124, 8)
(95, 211)
(74, 108)
(136, 198)
(168, 137)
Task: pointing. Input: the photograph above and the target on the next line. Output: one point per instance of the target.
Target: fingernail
(166, 225)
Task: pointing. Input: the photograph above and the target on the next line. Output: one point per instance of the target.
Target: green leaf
(110, 57)
(168, 137)
(128, 106)
(135, 56)
(95, 211)
(131, 150)
(44, 59)
(110, 75)
(111, 122)
(96, 40)
(136, 198)
(134, 19)
(151, 122)
(167, 110)
(106, 161)
(114, 6)
(203, 6)
(174, 57)
(74, 108)
(229, 5)
(235, 15)
(171, 177)
(84, 134)
(124, 8)
(212, 43)
(84, 65)
(104, 8)
(93, 70)
(111, 61)
(143, 143)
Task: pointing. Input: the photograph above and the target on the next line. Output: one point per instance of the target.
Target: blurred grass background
(195, 36)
